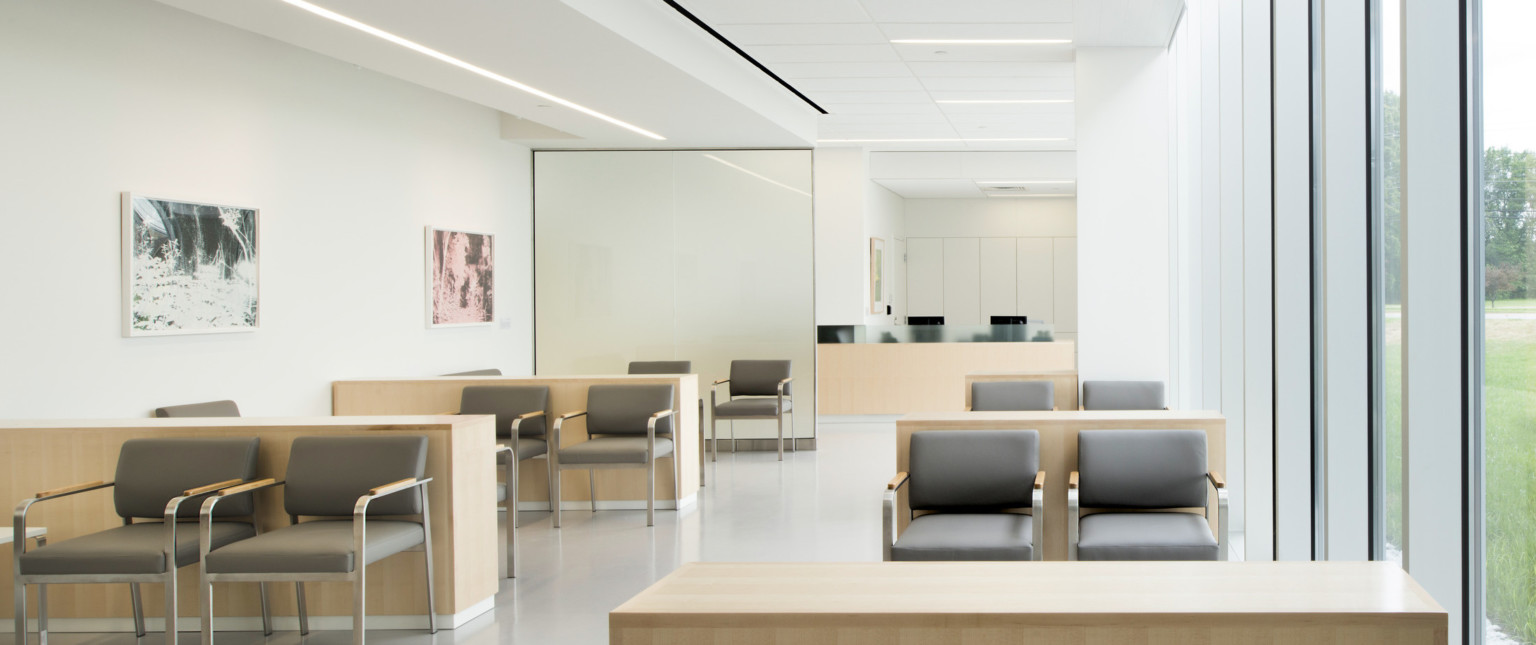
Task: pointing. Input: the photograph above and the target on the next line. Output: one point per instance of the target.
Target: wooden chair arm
(897, 481)
(1072, 480)
(1040, 480)
(71, 489)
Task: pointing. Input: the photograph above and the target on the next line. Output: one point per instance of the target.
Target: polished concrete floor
(821, 505)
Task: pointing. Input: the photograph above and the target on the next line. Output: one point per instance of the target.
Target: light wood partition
(938, 603)
(1063, 384)
(617, 489)
(45, 454)
(897, 378)
(1058, 448)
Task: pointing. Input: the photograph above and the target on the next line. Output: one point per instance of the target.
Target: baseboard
(253, 623)
(611, 505)
(762, 445)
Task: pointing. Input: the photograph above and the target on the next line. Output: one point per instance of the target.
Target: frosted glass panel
(703, 256)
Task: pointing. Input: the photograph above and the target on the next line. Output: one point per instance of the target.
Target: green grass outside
(1522, 305)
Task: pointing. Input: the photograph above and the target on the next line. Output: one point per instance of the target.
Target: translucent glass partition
(843, 334)
(676, 255)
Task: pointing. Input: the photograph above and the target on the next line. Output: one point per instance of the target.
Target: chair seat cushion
(130, 549)
(957, 536)
(757, 407)
(320, 546)
(613, 450)
(527, 448)
(1145, 536)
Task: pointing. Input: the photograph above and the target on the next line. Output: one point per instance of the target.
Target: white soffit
(974, 174)
(555, 48)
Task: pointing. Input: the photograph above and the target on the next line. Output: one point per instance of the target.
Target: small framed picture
(189, 267)
(876, 275)
(461, 278)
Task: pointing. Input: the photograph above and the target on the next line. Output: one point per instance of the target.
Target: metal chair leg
(266, 610)
(701, 442)
(19, 610)
(138, 608)
(732, 424)
(42, 615)
(554, 496)
(650, 492)
(592, 488)
(794, 443)
(714, 437)
(359, 604)
(205, 598)
(781, 437)
(298, 588)
(170, 607)
(511, 505)
(426, 530)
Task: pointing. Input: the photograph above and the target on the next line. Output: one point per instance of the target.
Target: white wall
(884, 217)
(1122, 213)
(347, 167)
(840, 175)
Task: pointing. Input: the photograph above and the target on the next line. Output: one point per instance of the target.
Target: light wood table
(1091, 603)
(44, 454)
(1058, 449)
(1063, 384)
(897, 378)
(617, 489)
(8, 533)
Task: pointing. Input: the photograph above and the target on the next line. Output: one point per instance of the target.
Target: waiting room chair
(675, 367)
(1143, 477)
(485, 372)
(521, 411)
(155, 478)
(1123, 395)
(1013, 395)
(224, 408)
(764, 392)
(628, 426)
(342, 483)
(972, 482)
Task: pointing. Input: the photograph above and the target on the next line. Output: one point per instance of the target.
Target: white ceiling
(975, 174)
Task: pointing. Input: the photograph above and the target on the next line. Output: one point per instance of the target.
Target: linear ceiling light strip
(702, 25)
(433, 53)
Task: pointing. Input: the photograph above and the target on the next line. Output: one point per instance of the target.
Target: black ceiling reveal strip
(702, 25)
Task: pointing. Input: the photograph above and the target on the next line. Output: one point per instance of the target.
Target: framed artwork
(189, 268)
(460, 278)
(876, 275)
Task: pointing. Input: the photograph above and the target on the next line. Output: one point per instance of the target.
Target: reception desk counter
(1058, 448)
(937, 603)
(45, 454)
(616, 489)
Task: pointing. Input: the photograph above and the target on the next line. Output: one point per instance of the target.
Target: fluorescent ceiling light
(780, 185)
(1029, 181)
(982, 41)
(1018, 195)
(1002, 101)
(428, 51)
(937, 140)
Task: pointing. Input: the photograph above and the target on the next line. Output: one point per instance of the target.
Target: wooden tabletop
(1063, 416)
(1024, 589)
(380, 422)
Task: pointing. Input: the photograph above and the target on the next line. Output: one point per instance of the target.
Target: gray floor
(819, 505)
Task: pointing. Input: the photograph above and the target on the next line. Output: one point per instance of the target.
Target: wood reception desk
(45, 454)
(616, 489)
(897, 378)
(1058, 448)
(937, 603)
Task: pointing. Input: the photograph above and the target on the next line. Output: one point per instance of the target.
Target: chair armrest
(1222, 547)
(173, 506)
(248, 487)
(361, 507)
(192, 492)
(784, 383)
(1072, 481)
(1074, 513)
(659, 416)
(897, 482)
(71, 490)
(1037, 517)
(524, 417)
(1216, 479)
(888, 531)
(724, 380)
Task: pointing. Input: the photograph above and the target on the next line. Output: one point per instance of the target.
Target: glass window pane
(1387, 279)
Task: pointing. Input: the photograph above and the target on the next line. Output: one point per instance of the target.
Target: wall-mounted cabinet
(969, 279)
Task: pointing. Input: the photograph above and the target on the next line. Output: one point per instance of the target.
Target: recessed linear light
(1018, 195)
(982, 41)
(428, 51)
(1029, 181)
(1002, 101)
(780, 185)
(938, 140)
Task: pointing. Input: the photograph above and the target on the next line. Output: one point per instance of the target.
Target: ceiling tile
(733, 12)
(923, 70)
(969, 11)
(996, 30)
(992, 94)
(882, 108)
(1053, 111)
(872, 97)
(891, 84)
(835, 70)
(1054, 84)
(771, 54)
(987, 53)
(825, 34)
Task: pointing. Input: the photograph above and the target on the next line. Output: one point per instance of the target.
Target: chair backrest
(626, 409)
(758, 378)
(485, 372)
(152, 471)
(1013, 395)
(224, 408)
(326, 475)
(1141, 468)
(1123, 395)
(508, 402)
(958, 470)
(661, 367)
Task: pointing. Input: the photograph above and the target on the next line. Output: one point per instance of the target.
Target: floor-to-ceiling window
(1508, 118)
(1387, 279)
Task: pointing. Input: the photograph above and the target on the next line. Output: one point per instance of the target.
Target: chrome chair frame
(168, 578)
(889, 531)
(650, 465)
(509, 507)
(1074, 514)
(358, 575)
(714, 419)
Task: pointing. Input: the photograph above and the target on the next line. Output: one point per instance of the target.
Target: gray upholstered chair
(675, 367)
(1143, 478)
(224, 408)
(155, 477)
(1123, 395)
(628, 426)
(521, 411)
(341, 483)
(758, 390)
(485, 372)
(971, 482)
(1013, 395)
